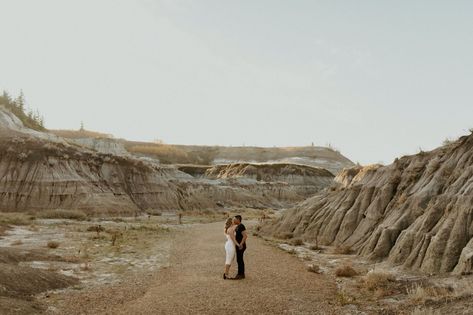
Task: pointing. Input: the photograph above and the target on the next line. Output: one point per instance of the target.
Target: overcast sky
(376, 79)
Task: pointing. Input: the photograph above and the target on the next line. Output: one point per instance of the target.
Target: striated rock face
(416, 212)
(42, 171)
(41, 175)
(102, 145)
(284, 182)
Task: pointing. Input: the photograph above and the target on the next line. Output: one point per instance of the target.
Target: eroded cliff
(416, 212)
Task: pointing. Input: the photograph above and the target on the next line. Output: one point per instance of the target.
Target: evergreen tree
(6, 97)
(20, 101)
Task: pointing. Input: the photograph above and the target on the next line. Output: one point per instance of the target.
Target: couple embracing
(236, 235)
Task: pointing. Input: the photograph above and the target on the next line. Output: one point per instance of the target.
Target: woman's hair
(228, 224)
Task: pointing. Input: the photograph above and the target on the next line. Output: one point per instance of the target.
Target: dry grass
(62, 214)
(313, 268)
(377, 280)
(17, 243)
(420, 294)
(157, 213)
(346, 271)
(53, 244)
(342, 250)
(14, 218)
(76, 134)
(345, 299)
(164, 152)
(426, 311)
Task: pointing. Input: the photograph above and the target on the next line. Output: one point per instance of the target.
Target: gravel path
(276, 283)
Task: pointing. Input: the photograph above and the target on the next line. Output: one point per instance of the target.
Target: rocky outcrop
(416, 212)
(284, 182)
(102, 145)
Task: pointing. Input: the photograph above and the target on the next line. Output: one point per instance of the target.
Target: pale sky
(376, 79)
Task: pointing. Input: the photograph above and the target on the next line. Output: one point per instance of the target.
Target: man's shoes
(239, 277)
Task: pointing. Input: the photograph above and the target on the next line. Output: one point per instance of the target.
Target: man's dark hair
(239, 217)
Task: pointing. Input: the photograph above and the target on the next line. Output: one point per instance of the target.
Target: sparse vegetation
(154, 212)
(14, 218)
(420, 294)
(81, 133)
(345, 299)
(426, 311)
(375, 280)
(173, 154)
(62, 214)
(296, 242)
(284, 236)
(30, 118)
(343, 250)
(346, 271)
(314, 247)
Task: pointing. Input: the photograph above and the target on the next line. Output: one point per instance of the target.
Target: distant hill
(315, 156)
(323, 157)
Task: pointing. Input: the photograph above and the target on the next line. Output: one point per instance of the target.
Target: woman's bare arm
(232, 236)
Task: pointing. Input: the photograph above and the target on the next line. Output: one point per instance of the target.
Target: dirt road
(276, 283)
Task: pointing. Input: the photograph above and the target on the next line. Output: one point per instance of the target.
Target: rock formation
(283, 182)
(416, 212)
(321, 157)
(39, 171)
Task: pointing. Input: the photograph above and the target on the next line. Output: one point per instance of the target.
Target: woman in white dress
(230, 249)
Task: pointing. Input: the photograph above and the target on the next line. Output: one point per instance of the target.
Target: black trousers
(240, 261)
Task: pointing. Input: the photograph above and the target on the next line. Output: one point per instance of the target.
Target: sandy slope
(276, 283)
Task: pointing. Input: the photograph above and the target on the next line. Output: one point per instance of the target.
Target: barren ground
(276, 283)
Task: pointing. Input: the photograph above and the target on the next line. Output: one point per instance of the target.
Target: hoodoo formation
(416, 212)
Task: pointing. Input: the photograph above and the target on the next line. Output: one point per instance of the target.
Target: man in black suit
(240, 236)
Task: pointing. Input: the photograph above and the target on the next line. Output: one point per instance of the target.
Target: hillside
(40, 170)
(204, 155)
(416, 212)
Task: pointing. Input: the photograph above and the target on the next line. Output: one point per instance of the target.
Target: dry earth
(276, 283)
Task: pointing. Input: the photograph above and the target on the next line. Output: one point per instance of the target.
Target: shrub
(419, 294)
(296, 242)
(346, 271)
(342, 250)
(53, 244)
(314, 247)
(375, 280)
(62, 214)
(154, 212)
(284, 236)
(14, 219)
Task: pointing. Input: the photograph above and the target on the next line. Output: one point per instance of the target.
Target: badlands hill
(300, 181)
(321, 157)
(42, 170)
(416, 212)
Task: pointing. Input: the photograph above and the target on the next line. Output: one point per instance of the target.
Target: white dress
(230, 250)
